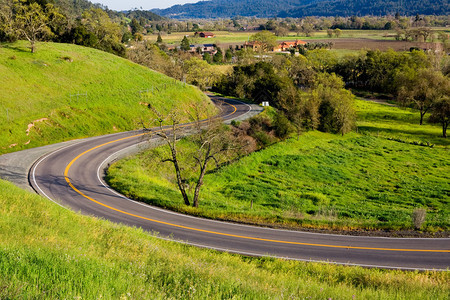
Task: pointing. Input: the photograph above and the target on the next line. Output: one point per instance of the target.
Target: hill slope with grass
(48, 252)
(65, 91)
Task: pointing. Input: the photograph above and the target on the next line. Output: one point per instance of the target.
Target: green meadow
(48, 252)
(243, 36)
(371, 180)
(64, 91)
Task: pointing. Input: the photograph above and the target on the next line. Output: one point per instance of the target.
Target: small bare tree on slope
(212, 141)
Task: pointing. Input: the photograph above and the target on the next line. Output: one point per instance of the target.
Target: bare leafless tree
(212, 140)
(170, 134)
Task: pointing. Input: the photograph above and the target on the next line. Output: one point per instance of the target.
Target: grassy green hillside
(372, 180)
(48, 252)
(65, 91)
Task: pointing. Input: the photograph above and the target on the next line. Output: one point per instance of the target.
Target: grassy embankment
(47, 252)
(39, 103)
(372, 180)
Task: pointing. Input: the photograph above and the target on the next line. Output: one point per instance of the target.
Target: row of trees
(306, 25)
(322, 102)
(428, 91)
(42, 21)
(415, 79)
(396, 73)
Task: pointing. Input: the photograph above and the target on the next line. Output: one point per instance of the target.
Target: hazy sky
(145, 4)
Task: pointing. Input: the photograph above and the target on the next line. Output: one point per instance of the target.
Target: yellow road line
(66, 172)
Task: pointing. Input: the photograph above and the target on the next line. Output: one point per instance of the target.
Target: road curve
(72, 177)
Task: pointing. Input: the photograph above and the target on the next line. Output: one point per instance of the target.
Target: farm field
(64, 92)
(48, 252)
(242, 36)
(372, 180)
(349, 39)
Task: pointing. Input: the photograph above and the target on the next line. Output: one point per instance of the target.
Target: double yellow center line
(66, 176)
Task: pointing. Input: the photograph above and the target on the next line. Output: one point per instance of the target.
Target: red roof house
(204, 34)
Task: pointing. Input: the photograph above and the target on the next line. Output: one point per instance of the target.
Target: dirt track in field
(358, 43)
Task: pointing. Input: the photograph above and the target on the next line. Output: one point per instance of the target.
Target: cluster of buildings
(254, 45)
(281, 47)
(203, 48)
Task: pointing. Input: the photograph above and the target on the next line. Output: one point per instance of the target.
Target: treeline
(378, 71)
(142, 15)
(415, 79)
(405, 28)
(79, 22)
(305, 97)
(309, 90)
(43, 21)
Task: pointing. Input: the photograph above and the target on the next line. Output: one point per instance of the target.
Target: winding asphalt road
(72, 177)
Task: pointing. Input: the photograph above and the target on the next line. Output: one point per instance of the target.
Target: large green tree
(422, 89)
(218, 57)
(441, 111)
(185, 44)
(266, 39)
(109, 34)
(336, 110)
(135, 26)
(199, 72)
(29, 20)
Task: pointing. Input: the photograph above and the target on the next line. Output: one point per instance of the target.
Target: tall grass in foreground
(47, 252)
(65, 91)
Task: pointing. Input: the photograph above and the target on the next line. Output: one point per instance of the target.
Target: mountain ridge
(301, 8)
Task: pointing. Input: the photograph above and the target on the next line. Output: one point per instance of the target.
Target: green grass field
(242, 36)
(65, 91)
(397, 123)
(372, 180)
(226, 37)
(48, 252)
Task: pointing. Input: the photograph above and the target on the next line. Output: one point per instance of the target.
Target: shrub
(418, 217)
(235, 123)
(282, 126)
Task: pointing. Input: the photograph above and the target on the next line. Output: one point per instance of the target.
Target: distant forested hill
(371, 7)
(231, 8)
(147, 15)
(301, 8)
